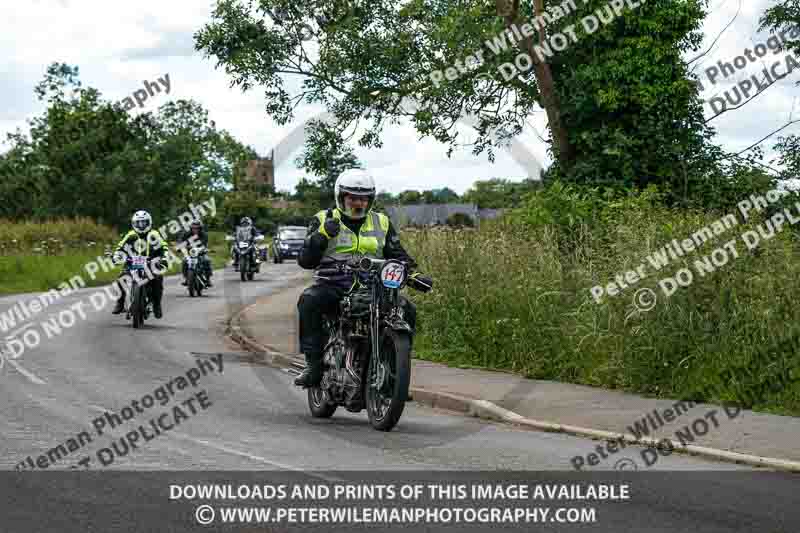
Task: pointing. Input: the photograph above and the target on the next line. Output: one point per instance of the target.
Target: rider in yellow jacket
(145, 241)
(334, 236)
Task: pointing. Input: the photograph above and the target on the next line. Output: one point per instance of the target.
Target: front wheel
(388, 380)
(137, 311)
(318, 404)
(244, 267)
(190, 282)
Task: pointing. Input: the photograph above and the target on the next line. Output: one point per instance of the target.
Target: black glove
(332, 225)
(419, 282)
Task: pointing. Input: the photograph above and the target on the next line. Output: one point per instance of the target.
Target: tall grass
(52, 237)
(516, 296)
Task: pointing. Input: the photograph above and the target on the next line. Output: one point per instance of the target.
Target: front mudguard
(398, 324)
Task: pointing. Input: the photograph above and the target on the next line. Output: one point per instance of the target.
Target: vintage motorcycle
(367, 356)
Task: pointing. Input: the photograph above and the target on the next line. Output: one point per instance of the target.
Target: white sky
(119, 44)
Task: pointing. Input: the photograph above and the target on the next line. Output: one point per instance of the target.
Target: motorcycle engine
(342, 384)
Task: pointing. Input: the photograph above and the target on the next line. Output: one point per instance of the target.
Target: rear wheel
(388, 380)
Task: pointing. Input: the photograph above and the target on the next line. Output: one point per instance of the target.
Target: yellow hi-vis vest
(369, 241)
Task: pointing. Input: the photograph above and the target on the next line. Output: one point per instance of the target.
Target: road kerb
(485, 409)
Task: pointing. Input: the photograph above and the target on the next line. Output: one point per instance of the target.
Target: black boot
(157, 309)
(312, 374)
(120, 307)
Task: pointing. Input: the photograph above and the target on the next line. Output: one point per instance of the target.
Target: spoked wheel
(318, 403)
(388, 381)
(137, 312)
(190, 281)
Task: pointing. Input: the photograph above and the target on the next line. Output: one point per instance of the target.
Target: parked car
(288, 242)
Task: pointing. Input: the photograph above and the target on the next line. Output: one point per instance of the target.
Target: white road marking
(252, 457)
(13, 334)
(260, 459)
(30, 375)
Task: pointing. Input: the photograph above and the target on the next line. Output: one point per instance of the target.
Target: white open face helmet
(142, 222)
(356, 182)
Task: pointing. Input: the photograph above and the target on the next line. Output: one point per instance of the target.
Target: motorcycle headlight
(243, 245)
(284, 245)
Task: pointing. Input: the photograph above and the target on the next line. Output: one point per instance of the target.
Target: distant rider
(142, 240)
(187, 242)
(245, 231)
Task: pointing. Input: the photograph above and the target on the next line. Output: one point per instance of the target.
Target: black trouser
(155, 288)
(321, 299)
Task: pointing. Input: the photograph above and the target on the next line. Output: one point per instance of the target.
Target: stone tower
(261, 171)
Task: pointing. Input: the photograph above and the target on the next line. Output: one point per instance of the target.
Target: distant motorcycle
(196, 279)
(138, 305)
(249, 256)
(367, 357)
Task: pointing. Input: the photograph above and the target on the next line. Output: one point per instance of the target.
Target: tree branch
(746, 101)
(768, 136)
(718, 36)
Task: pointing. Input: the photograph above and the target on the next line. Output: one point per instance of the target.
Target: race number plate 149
(393, 275)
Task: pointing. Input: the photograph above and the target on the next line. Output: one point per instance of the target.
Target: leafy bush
(459, 220)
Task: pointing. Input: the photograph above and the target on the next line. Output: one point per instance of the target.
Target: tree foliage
(623, 95)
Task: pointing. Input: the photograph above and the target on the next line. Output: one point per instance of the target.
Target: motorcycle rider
(186, 240)
(245, 230)
(334, 236)
(142, 240)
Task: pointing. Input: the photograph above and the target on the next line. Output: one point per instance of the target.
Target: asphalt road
(252, 418)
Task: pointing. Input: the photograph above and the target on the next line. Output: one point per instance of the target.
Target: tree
(326, 156)
(499, 193)
(630, 117)
(447, 196)
(87, 157)
(409, 197)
